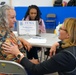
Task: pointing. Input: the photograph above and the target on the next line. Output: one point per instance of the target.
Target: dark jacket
(63, 62)
(72, 3)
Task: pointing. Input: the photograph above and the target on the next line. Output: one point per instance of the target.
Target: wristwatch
(19, 56)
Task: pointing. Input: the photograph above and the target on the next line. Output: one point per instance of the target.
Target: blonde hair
(70, 26)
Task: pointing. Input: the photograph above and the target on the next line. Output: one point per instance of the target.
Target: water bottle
(57, 29)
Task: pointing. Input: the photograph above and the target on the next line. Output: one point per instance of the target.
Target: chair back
(51, 19)
(51, 15)
(11, 67)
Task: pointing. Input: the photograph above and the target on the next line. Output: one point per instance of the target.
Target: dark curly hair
(38, 12)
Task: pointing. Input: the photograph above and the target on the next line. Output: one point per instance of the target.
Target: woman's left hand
(10, 48)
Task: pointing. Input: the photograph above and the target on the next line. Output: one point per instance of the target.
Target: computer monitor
(27, 27)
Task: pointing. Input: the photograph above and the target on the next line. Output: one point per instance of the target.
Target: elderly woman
(7, 20)
(64, 62)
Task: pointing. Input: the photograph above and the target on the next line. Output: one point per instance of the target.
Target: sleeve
(58, 63)
(42, 26)
(59, 48)
(60, 43)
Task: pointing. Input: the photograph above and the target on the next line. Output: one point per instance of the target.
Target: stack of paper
(37, 40)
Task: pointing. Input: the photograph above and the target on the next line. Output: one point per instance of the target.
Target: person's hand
(35, 61)
(53, 49)
(10, 48)
(26, 44)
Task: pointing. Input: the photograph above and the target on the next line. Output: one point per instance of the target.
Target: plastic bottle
(57, 29)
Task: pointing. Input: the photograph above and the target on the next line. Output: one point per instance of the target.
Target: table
(50, 39)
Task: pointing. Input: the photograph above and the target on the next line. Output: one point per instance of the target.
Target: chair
(11, 67)
(41, 54)
(47, 53)
(51, 20)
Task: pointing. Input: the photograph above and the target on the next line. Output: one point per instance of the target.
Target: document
(27, 27)
(37, 39)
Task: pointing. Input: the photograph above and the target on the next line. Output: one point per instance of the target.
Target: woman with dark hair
(34, 14)
(38, 14)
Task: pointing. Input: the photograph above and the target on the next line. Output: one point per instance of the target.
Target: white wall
(66, 0)
(30, 2)
(7, 1)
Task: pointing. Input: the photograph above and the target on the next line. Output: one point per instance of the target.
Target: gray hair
(3, 15)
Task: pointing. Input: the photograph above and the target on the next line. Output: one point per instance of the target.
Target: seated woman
(7, 20)
(34, 14)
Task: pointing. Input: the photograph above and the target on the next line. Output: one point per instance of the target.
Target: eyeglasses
(62, 29)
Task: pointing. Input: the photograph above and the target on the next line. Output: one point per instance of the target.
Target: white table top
(49, 37)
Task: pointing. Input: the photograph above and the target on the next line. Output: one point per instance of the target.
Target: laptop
(27, 28)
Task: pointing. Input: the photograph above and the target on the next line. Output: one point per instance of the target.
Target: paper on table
(37, 40)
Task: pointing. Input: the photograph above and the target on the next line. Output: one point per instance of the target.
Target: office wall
(23, 3)
(61, 12)
(7, 1)
(29, 2)
(45, 7)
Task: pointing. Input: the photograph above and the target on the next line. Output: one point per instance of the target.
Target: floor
(42, 59)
